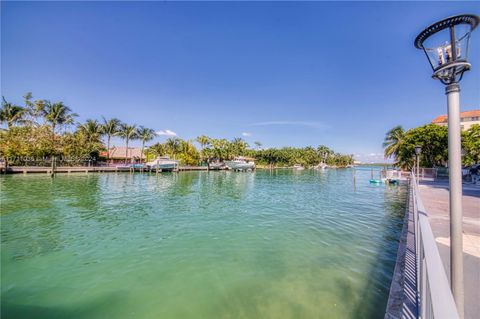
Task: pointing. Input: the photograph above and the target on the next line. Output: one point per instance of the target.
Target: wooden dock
(86, 169)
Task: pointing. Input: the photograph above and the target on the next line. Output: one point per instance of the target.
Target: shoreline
(109, 169)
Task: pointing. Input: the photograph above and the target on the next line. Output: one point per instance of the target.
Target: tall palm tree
(221, 148)
(146, 135)
(92, 129)
(239, 146)
(393, 141)
(157, 149)
(128, 133)
(173, 146)
(189, 153)
(258, 145)
(11, 113)
(38, 109)
(57, 114)
(204, 141)
(110, 128)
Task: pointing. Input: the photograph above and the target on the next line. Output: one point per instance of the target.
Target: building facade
(467, 119)
(120, 155)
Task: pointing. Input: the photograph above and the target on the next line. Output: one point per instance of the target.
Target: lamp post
(418, 150)
(445, 44)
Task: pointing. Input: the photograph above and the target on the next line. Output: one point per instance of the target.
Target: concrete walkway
(435, 199)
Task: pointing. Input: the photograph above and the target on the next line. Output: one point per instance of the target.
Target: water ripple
(280, 244)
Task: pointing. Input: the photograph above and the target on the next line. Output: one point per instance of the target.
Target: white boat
(298, 167)
(216, 165)
(240, 164)
(163, 164)
(321, 166)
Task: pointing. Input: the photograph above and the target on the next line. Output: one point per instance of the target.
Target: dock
(86, 169)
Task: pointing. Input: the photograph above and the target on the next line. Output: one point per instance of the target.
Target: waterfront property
(467, 119)
(120, 154)
(263, 244)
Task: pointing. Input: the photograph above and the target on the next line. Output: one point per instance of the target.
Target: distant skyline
(282, 73)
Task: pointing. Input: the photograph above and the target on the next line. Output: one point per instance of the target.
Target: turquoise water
(281, 244)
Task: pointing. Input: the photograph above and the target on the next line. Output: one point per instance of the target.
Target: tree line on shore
(43, 129)
(400, 144)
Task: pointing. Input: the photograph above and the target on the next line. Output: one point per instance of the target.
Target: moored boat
(163, 164)
(240, 164)
(321, 166)
(298, 167)
(216, 166)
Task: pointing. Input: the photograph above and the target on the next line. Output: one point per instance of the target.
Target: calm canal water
(281, 244)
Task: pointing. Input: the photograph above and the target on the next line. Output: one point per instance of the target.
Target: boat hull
(239, 166)
(163, 167)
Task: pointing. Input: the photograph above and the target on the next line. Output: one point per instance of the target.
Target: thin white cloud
(246, 134)
(297, 123)
(166, 133)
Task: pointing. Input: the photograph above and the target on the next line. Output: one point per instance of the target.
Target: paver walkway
(435, 199)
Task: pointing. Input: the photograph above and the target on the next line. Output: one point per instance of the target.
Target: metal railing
(434, 293)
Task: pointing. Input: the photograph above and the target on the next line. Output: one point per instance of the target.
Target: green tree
(26, 141)
(471, 145)
(157, 150)
(205, 143)
(146, 135)
(57, 115)
(128, 133)
(393, 141)
(92, 130)
(238, 147)
(11, 114)
(110, 128)
(432, 138)
(203, 140)
(172, 146)
(188, 153)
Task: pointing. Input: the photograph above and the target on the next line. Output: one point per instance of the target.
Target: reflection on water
(265, 244)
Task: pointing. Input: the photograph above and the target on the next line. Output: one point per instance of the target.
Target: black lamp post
(445, 44)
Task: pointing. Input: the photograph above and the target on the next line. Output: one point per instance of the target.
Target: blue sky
(286, 73)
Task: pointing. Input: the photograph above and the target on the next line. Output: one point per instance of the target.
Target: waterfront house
(118, 155)
(467, 119)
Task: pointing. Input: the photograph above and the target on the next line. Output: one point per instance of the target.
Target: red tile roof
(444, 118)
(119, 152)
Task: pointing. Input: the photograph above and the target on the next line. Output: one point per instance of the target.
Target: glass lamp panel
(462, 36)
(438, 49)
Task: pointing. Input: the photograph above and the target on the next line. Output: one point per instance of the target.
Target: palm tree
(239, 146)
(57, 114)
(11, 113)
(204, 141)
(38, 109)
(127, 132)
(221, 148)
(173, 146)
(146, 135)
(110, 128)
(258, 145)
(92, 130)
(157, 149)
(393, 141)
(324, 153)
(189, 153)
